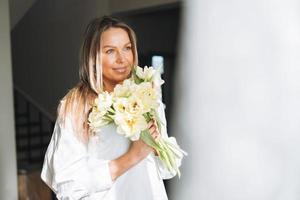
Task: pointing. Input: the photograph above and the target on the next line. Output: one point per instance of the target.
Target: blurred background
(232, 89)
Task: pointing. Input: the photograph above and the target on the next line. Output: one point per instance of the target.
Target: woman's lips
(120, 69)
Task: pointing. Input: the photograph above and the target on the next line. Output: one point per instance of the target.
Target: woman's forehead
(114, 37)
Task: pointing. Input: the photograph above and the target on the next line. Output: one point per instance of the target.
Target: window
(158, 63)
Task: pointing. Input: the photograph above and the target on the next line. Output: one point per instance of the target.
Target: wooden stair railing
(34, 128)
(33, 131)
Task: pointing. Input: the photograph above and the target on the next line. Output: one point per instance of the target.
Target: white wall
(8, 171)
(237, 101)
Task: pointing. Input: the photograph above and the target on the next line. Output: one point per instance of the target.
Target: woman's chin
(116, 77)
(120, 77)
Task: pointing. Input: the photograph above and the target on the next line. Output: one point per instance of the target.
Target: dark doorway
(157, 31)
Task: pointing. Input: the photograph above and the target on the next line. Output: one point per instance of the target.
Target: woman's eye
(109, 51)
(128, 48)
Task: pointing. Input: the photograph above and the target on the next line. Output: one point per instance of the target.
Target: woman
(104, 165)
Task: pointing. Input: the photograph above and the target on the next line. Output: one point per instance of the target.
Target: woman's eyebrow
(108, 46)
(111, 46)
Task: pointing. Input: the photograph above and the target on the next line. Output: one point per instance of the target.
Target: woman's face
(117, 55)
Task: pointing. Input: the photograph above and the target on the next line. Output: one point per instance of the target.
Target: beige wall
(121, 5)
(8, 171)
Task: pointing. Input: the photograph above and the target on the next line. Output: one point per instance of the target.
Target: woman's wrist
(123, 163)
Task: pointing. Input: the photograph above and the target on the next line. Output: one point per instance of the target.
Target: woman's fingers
(150, 123)
(153, 130)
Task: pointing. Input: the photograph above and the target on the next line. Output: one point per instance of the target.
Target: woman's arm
(72, 174)
(69, 170)
(137, 152)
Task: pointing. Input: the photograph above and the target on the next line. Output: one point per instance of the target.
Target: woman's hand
(153, 129)
(140, 148)
(154, 132)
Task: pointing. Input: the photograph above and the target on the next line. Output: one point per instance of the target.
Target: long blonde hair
(76, 104)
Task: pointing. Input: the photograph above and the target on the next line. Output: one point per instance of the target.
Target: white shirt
(74, 170)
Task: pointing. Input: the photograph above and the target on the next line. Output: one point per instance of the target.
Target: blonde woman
(104, 165)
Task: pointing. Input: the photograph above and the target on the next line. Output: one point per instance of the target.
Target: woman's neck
(109, 86)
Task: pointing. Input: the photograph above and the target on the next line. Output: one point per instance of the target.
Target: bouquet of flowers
(131, 106)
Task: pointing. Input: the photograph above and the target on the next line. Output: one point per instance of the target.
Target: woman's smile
(119, 69)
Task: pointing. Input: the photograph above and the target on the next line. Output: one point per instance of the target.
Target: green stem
(166, 152)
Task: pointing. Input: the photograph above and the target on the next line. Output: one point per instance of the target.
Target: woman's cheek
(129, 59)
(108, 61)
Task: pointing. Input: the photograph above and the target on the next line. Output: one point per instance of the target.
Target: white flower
(130, 125)
(131, 105)
(147, 95)
(145, 74)
(135, 106)
(157, 80)
(124, 89)
(96, 120)
(120, 105)
(104, 101)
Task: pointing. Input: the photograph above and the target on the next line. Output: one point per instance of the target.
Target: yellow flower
(130, 125)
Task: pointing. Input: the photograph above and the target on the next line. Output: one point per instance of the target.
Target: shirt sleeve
(162, 169)
(69, 170)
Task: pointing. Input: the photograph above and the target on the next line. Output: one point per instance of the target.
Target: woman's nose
(120, 57)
